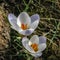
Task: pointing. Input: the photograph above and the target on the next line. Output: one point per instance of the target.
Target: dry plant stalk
(4, 31)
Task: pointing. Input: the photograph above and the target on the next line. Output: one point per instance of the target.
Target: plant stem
(27, 5)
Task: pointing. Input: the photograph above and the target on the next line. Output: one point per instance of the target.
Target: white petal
(42, 39)
(42, 47)
(34, 18)
(27, 32)
(36, 54)
(24, 19)
(17, 28)
(12, 19)
(34, 21)
(35, 39)
(25, 41)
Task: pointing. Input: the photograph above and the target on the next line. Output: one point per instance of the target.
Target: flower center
(35, 47)
(24, 26)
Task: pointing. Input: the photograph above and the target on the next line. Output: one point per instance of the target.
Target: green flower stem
(55, 31)
(27, 5)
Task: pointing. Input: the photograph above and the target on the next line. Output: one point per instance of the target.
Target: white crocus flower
(35, 45)
(23, 23)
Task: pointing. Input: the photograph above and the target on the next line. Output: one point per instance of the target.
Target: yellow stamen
(24, 27)
(35, 47)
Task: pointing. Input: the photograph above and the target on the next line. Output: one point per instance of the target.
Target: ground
(49, 11)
